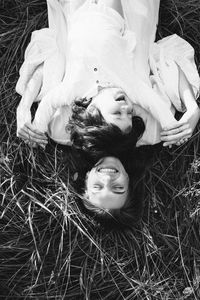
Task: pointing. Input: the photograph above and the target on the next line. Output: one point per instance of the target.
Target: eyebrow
(120, 92)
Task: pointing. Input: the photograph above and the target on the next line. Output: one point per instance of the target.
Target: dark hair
(95, 139)
(126, 216)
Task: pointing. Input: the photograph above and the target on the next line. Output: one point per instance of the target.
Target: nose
(106, 178)
(125, 108)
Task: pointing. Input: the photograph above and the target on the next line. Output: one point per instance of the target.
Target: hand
(182, 130)
(26, 131)
(32, 136)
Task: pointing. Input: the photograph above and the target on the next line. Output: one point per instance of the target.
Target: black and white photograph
(99, 150)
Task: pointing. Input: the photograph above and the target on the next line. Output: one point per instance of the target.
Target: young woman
(112, 194)
(100, 55)
(98, 60)
(111, 184)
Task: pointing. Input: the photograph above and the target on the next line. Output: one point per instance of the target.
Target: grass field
(48, 249)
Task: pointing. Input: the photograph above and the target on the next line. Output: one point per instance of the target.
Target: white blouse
(95, 47)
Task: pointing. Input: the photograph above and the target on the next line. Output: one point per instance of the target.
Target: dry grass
(48, 249)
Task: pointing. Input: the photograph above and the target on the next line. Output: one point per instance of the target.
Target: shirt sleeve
(141, 18)
(61, 95)
(47, 47)
(153, 102)
(169, 57)
(41, 47)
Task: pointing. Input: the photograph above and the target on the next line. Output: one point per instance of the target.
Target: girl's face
(107, 184)
(115, 107)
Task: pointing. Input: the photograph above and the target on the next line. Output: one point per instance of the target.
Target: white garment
(95, 47)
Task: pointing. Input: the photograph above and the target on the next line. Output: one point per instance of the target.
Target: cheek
(109, 118)
(87, 180)
(90, 179)
(125, 181)
(105, 102)
(88, 191)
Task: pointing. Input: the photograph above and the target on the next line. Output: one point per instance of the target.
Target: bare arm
(25, 130)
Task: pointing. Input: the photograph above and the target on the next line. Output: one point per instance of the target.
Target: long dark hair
(94, 139)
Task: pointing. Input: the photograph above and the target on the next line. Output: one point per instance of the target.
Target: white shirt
(97, 55)
(101, 51)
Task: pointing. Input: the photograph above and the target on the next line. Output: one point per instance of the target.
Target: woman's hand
(27, 131)
(182, 130)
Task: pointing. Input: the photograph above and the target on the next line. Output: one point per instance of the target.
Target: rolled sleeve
(56, 98)
(169, 55)
(41, 47)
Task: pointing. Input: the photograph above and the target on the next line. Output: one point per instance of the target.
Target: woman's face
(107, 184)
(115, 107)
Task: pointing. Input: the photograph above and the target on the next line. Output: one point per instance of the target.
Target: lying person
(100, 56)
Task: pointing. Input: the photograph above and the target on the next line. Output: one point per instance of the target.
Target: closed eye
(117, 113)
(97, 187)
(118, 189)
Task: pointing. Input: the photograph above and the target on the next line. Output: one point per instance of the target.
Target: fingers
(175, 131)
(182, 141)
(187, 133)
(31, 144)
(32, 136)
(176, 138)
(177, 142)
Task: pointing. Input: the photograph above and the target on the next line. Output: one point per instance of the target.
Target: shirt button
(95, 69)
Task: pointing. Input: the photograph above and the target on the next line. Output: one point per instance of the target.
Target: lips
(121, 99)
(108, 170)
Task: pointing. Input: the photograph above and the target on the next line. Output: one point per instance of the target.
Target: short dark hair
(92, 135)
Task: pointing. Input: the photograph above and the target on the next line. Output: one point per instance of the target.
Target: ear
(91, 109)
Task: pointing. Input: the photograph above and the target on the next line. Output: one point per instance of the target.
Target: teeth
(107, 170)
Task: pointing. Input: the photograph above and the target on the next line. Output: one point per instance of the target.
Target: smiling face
(107, 184)
(115, 107)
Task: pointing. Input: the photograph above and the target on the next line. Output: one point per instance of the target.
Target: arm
(141, 17)
(154, 103)
(25, 129)
(59, 96)
(186, 125)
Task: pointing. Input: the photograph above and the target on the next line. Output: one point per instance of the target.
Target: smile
(121, 99)
(108, 170)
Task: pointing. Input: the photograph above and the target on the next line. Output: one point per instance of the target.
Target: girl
(100, 54)
(111, 183)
